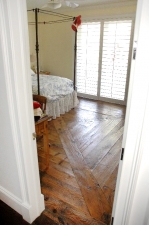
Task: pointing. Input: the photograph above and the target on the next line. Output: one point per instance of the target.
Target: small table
(41, 127)
(45, 72)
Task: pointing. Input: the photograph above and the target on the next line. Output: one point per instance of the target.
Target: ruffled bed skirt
(61, 105)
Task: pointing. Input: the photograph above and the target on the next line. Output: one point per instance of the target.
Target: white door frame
(131, 202)
(25, 196)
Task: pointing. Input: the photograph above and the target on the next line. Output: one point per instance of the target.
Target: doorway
(84, 153)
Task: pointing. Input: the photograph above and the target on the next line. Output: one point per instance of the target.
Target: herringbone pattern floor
(83, 162)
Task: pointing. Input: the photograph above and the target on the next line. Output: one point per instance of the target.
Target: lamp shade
(71, 4)
(52, 5)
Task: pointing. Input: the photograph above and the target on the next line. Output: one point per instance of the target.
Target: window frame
(102, 20)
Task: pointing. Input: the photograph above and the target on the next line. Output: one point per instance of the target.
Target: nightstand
(45, 72)
(41, 127)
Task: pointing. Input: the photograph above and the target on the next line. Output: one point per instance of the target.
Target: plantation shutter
(116, 42)
(88, 43)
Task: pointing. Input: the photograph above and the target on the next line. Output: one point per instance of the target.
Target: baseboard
(28, 213)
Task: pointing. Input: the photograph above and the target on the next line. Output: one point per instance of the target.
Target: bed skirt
(61, 105)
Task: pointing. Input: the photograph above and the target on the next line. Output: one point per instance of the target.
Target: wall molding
(23, 208)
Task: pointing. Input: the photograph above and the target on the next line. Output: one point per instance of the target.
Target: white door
(131, 202)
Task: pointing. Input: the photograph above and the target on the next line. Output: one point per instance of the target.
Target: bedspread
(52, 86)
(61, 96)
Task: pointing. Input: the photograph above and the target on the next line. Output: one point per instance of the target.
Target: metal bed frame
(65, 18)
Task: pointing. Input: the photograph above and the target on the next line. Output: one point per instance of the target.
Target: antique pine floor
(84, 155)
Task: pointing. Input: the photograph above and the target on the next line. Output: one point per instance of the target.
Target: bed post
(37, 47)
(75, 52)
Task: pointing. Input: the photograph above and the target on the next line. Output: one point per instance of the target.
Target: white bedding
(59, 91)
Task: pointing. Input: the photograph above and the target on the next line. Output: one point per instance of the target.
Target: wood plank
(69, 215)
(111, 181)
(61, 175)
(43, 219)
(109, 186)
(94, 135)
(97, 153)
(74, 190)
(82, 128)
(91, 191)
(108, 164)
(72, 118)
(54, 139)
(102, 108)
(54, 188)
(101, 133)
(54, 155)
(55, 150)
(59, 219)
(88, 130)
(58, 159)
(62, 167)
(67, 165)
(84, 125)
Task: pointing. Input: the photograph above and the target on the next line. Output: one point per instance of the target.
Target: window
(114, 48)
(88, 43)
(115, 52)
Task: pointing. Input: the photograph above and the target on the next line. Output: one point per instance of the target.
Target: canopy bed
(60, 92)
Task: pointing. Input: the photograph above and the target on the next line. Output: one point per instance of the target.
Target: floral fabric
(59, 91)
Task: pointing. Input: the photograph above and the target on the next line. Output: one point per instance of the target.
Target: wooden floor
(83, 162)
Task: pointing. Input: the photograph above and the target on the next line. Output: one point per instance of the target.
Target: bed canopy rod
(65, 18)
(51, 13)
(55, 14)
(51, 22)
(77, 22)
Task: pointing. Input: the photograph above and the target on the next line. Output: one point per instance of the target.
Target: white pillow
(32, 72)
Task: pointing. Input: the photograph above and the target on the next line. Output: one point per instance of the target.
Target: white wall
(19, 172)
(56, 53)
(56, 48)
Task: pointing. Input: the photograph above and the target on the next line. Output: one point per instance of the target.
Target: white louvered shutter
(116, 42)
(88, 43)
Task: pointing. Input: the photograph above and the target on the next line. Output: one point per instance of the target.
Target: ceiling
(82, 3)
